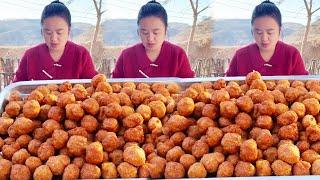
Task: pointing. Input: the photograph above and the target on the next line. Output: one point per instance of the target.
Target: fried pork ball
(110, 141)
(188, 143)
(177, 123)
(264, 122)
(315, 170)
(316, 147)
(210, 111)
(77, 145)
(193, 131)
(116, 156)
(310, 156)
(234, 90)
(199, 149)
(292, 94)
(173, 88)
(301, 168)
(174, 154)
(280, 109)
(144, 111)
(211, 161)
(5, 123)
(36, 95)
(90, 171)
(312, 106)
(132, 120)
(313, 132)
(94, 153)
(191, 93)
(97, 79)
(112, 110)
(249, 150)
(258, 84)
(89, 123)
(23, 140)
(204, 96)
(185, 106)
(287, 118)
(281, 168)
(74, 112)
(134, 155)
(33, 146)
(65, 98)
(219, 84)
(197, 170)
(45, 151)
(22, 126)
(43, 114)
(90, 106)
(198, 108)
(20, 172)
(243, 169)
(174, 170)
(127, 170)
(303, 145)
(289, 132)
(50, 125)
(65, 86)
(288, 153)
(14, 96)
(79, 92)
(56, 113)
(252, 76)
(104, 87)
(158, 109)
(5, 167)
(228, 109)
(225, 169)
(214, 136)
(110, 124)
(263, 168)
(187, 160)
(13, 109)
(71, 172)
(308, 120)
(33, 162)
(108, 170)
(264, 139)
(58, 163)
(126, 111)
(204, 123)
(231, 142)
(31, 109)
(219, 96)
(20, 156)
(135, 134)
(244, 120)
(164, 147)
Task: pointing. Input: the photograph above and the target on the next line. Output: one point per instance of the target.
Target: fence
(206, 67)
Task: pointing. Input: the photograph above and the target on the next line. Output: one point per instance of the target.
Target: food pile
(158, 130)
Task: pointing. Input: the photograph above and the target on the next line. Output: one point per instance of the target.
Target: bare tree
(196, 11)
(99, 11)
(310, 12)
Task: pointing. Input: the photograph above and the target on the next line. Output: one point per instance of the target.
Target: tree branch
(203, 9)
(315, 10)
(193, 8)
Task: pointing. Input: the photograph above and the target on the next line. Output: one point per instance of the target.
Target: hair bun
(57, 1)
(154, 2)
(268, 1)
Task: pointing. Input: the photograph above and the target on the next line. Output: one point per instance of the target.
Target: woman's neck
(153, 55)
(266, 55)
(56, 54)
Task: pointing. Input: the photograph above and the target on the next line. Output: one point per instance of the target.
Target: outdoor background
(209, 30)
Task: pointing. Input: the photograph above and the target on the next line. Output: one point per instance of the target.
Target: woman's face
(152, 32)
(55, 31)
(266, 32)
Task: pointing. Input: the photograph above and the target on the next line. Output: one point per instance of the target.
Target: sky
(178, 10)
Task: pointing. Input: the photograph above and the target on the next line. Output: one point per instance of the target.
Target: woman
(57, 58)
(154, 57)
(267, 55)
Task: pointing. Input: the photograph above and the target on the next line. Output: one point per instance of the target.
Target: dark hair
(267, 8)
(56, 8)
(153, 8)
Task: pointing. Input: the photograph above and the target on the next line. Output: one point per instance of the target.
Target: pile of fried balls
(101, 129)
